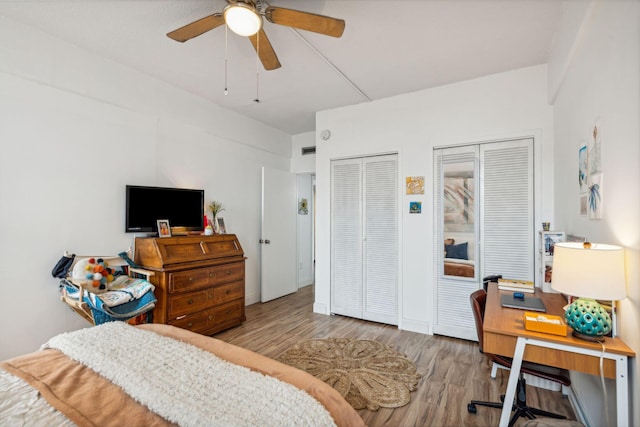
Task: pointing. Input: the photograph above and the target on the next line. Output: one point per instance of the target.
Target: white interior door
(278, 234)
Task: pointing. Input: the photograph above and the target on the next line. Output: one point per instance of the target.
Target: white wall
(506, 105)
(595, 71)
(74, 130)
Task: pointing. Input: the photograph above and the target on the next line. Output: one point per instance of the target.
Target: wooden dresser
(199, 280)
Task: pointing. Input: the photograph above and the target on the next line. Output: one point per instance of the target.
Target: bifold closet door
(364, 238)
(499, 226)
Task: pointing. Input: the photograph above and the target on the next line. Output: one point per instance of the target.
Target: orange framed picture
(164, 230)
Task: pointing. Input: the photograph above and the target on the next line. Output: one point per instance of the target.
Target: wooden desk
(504, 334)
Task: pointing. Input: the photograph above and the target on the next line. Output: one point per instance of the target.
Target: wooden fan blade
(265, 51)
(305, 21)
(196, 28)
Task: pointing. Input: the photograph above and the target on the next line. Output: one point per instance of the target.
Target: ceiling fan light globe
(242, 19)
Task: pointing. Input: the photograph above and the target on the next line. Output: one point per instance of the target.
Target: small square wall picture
(415, 207)
(415, 184)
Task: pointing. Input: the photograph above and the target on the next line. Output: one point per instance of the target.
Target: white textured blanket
(187, 385)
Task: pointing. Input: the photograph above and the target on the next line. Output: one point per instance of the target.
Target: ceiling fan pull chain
(226, 56)
(257, 100)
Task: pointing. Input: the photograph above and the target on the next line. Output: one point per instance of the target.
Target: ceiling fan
(245, 17)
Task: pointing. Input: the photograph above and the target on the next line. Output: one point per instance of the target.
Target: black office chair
(478, 303)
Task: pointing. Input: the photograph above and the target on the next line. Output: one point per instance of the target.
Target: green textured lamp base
(589, 320)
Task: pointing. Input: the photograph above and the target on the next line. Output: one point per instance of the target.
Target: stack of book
(516, 285)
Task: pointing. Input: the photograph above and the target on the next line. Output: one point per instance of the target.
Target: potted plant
(215, 207)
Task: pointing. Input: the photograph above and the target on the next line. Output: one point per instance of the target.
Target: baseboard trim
(416, 326)
(320, 308)
(251, 299)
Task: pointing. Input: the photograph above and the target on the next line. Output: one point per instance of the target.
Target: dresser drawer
(199, 322)
(228, 292)
(189, 303)
(188, 280)
(227, 273)
(229, 311)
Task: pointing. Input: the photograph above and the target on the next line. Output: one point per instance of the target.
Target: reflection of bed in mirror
(459, 257)
(459, 267)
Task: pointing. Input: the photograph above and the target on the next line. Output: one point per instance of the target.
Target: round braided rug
(367, 373)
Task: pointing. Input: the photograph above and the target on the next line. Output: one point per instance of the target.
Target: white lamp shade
(242, 19)
(596, 272)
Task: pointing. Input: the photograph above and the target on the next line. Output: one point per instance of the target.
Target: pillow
(457, 251)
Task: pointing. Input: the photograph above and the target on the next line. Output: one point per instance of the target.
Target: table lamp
(589, 271)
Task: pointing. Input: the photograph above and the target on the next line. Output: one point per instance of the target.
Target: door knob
(265, 241)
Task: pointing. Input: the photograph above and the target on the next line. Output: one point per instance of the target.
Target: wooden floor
(453, 370)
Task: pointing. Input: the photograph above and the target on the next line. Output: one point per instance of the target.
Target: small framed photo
(221, 227)
(164, 230)
(550, 240)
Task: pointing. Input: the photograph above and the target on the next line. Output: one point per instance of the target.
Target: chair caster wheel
(471, 408)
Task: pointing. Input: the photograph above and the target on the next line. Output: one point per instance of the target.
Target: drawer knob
(189, 324)
(228, 291)
(191, 279)
(210, 317)
(210, 274)
(190, 301)
(210, 296)
(228, 311)
(228, 272)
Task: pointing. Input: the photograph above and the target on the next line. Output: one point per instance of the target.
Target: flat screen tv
(184, 208)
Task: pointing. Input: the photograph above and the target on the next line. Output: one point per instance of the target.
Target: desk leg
(622, 391)
(513, 381)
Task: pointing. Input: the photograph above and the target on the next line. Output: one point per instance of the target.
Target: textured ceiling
(389, 47)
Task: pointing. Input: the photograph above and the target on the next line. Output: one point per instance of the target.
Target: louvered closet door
(346, 237)
(507, 209)
(503, 221)
(364, 238)
(456, 215)
(381, 239)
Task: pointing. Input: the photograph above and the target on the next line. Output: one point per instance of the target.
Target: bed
(117, 374)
